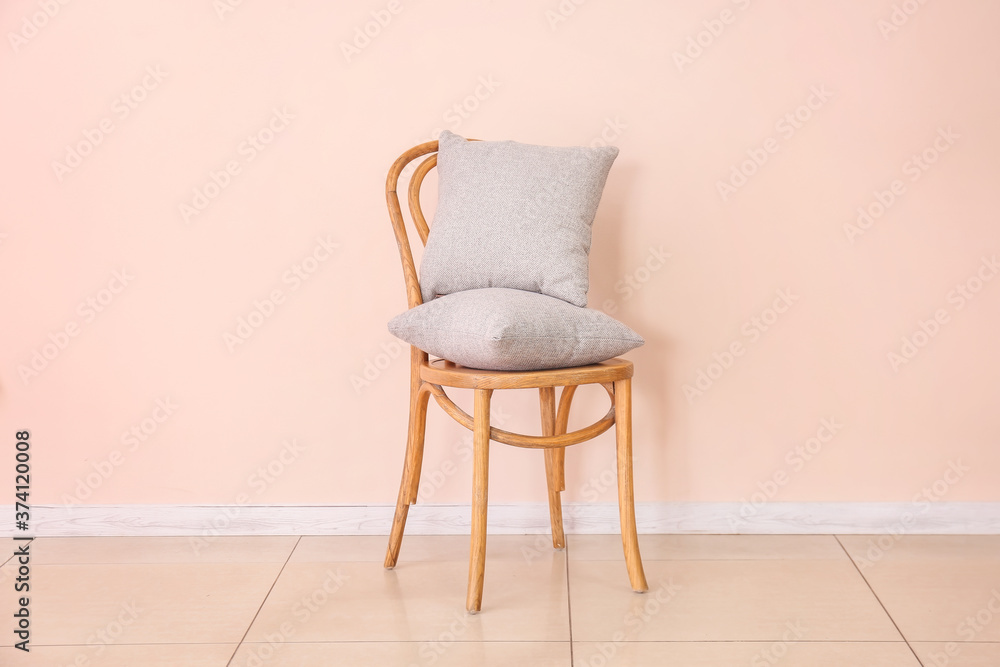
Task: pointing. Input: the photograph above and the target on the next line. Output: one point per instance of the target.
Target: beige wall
(841, 104)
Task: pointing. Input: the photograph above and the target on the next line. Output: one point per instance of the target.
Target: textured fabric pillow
(512, 330)
(513, 215)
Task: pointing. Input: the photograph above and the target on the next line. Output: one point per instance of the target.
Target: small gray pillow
(513, 215)
(512, 330)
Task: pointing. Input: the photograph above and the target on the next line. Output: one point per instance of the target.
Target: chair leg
(553, 465)
(480, 485)
(626, 501)
(411, 472)
(419, 428)
(559, 458)
(553, 461)
(562, 424)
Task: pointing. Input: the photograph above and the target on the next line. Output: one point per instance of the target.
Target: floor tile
(707, 547)
(418, 601)
(144, 603)
(941, 654)
(366, 548)
(870, 550)
(405, 654)
(728, 654)
(200, 549)
(715, 600)
(937, 587)
(811, 600)
(417, 548)
(940, 599)
(149, 655)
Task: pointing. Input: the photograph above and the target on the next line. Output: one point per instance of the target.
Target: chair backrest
(413, 296)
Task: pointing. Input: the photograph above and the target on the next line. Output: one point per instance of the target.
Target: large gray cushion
(512, 330)
(513, 215)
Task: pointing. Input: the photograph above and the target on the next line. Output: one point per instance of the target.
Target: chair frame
(427, 378)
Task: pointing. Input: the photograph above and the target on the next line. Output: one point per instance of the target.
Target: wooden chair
(427, 378)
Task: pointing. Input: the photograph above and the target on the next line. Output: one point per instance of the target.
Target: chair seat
(448, 374)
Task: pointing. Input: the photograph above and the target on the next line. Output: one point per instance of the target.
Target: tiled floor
(762, 601)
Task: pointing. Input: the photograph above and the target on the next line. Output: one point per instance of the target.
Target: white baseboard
(517, 519)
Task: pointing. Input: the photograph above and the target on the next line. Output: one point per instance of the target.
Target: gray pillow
(512, 330)
(513, 215)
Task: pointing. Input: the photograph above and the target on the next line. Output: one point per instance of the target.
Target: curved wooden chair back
(416, 181)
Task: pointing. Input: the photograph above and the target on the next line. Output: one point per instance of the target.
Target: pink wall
(889, 107)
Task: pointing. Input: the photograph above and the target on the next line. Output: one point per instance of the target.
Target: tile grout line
(879, 600)
(569, 606)
(263, 602)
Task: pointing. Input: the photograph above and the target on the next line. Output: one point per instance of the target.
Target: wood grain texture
(413, 197)
(547, 409)
(409, 484)
(626, 503)
(562, 424)
(446, 373)
(410, 276)
(519, 440)
(480, 487)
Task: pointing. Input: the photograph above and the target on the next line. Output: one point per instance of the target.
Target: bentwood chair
(429, 378)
